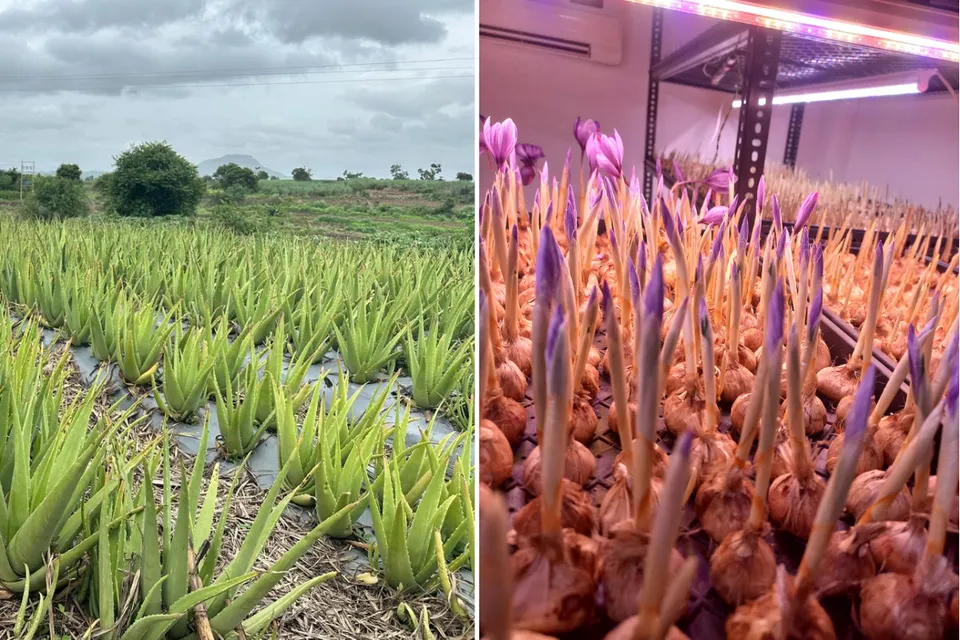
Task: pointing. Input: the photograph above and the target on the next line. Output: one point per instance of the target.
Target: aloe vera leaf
(204, 521)
(150, 569)
(261, 620)
(175, 562)
(152, 627)
(397, 563)
(234, 613)
(104, 575)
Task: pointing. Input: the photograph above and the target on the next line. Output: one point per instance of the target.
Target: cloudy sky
(357, 84)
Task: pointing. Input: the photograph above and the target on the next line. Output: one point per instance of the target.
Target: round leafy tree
(69, 172)
(302, 174)
(232, 175)
(52, 198)
(151, 179)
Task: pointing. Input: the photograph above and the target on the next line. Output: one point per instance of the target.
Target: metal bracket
(793, 135)
(653, 100)
(763, 55)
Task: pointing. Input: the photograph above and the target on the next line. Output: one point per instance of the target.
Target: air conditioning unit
(585, 29)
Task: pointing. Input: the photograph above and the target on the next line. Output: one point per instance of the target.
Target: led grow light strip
(816, 26)
(841, 94)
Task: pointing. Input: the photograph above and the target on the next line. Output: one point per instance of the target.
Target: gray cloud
(335, 85)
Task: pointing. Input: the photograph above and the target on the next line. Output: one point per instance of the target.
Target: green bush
(151, 179)
(232, 175)
(302, 174)
(69, 172)
(52, 198)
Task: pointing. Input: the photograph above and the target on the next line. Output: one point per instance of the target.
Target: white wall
(908, 143)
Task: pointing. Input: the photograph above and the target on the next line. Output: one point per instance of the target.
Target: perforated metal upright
(793, 135)
(762, 61)
(653, 99)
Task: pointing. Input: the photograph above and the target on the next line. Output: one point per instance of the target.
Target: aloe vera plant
(405, 532)
(369, 337)
(229, 358)
(237, 414)
(186, 373)
(256, 309)
(289, 379)
(312, 321)
(435, 364)
(106, 324)
(141, 343)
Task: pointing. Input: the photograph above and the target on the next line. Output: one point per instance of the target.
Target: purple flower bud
(718, 180)
(806, 210)
(734, 273)
(774, 328)
(554, 332)
(818, 262)
(514, 235)
(734, 203)
(915, 355)
(659, 170)
(591, 150)
(570, 220)
(653, 296)
(613, 239)
(717, 247)
(526, 174)
(777, 220)
(684, 444)
(659, 185)
(743, 235)
(595, 197)
(547, 267)
(704, 318)
(714, 216)
(583, 130)
(679, 222)
(706, 198)
(606, 302)
(501, 139)
(548, 216)
(668, 223)
(592, 299)
(761, 191)
(610, 154)
(814, 315)
(857, 418)
(609, 191)
(642, 256)
(634, 280)
(804, 246)
(677, 173)
(755, 234)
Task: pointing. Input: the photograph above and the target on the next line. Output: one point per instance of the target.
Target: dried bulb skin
(613, 422)
(711, 456)
(752, 338)
(843, 408)
(520, 352)
(622, 566)
(821, 356)
(627, 630)
(893, 608)
(738, 381)
(900, 546)
(617, 503)
(762, 619)
(738, 412)
(892, 433)
(554, 585)
(682, 411)
(676, 378)
(512, 381)
(871, 458)
(953, 518)
(793, 506)
(578, 467)
(576, 513)
(583, 420)
(848, 561)
(723, 503)
(507, 414)
(835, 383)
(496, 456)
(660, 460)
(593, 355)
(590, 382)
(814, 415)
(743, 567)
(865, 490)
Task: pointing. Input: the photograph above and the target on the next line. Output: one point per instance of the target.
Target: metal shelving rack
(754, 62)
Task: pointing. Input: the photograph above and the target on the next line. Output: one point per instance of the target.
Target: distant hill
(208, 167)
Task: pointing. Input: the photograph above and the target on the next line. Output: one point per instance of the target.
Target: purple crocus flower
(714, 216)
(733, 204)
(777, 220)
(806, 210)
(917, 379)
(547, 281)
(501, 139)
(668, 223)
(782, 244)
(590, 152)
(815, 313)
(570, 220)
(527, 157)
(719, 180)
(610, 154)
(583, 130)
(677, 173)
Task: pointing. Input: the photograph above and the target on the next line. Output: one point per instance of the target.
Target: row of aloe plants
(81, 512)
(124, 288)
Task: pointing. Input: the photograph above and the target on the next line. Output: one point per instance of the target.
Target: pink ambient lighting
(815, 26)
(840, 94)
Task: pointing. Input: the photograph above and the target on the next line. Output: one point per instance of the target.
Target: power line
(239, 71)
(243, 84)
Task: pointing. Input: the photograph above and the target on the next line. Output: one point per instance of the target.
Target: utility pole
(26, 169)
